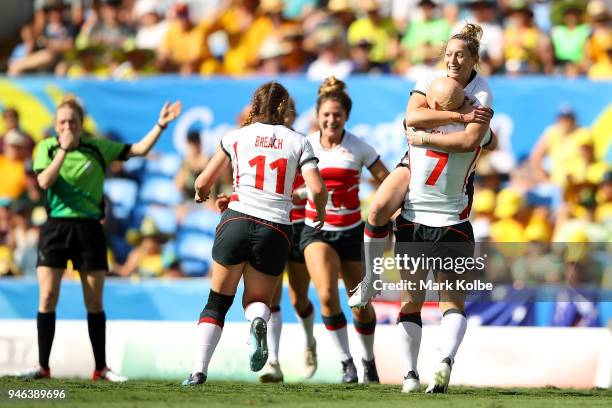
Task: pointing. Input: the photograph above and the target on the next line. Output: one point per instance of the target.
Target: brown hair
(268, 105)
(70, 101)
(334, 89)
(470, 34)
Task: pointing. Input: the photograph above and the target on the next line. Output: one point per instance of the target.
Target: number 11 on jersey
(280, 165)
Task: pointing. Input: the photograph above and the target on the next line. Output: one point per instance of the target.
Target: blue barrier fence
(182, 300)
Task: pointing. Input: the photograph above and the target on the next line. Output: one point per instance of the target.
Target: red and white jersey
(298, 211)
(477, 89)
(441, 184)
(340, 168)
(265, 159)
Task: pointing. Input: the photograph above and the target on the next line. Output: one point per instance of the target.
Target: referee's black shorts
(80, 240)
(244, 238)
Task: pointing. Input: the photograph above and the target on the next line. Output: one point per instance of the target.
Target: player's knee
(411, 307)
(216, 308)
(48, 302)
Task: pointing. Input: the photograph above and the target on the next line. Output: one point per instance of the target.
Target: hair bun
(473, 31)
(70, 97)
(330, 85)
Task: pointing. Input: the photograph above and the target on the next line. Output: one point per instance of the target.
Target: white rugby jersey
(441, 184)
(298, 211)
(265, 159)
(340, 168)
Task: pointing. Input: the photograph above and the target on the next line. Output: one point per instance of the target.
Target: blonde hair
(70, 101)
(470, 34)
(333, 88)
(269, 105)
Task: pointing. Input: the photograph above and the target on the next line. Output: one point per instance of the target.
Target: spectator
(194, 162)
(560, 143)
(151, 27)
(569, 40)
(484, 13)
(107, 28)
(512, 217)
(602, 68)
(526, 48)
(85, 61)
(599, 41)
(379, 31)
(44, 51)
(482, 214)
(133, 61)
(7, 265)
(603, 213)
(150, 258)
(25, 232)
(272, 57)
(330, 59)
(12, 167)
(11, 122)
(430, 32)
(184, 48)
(362, 61)
(297, 57)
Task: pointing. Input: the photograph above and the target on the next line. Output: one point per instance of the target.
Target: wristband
(160, 126)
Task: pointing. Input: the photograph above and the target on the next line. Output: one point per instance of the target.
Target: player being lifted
(438, 170)
(253, 238)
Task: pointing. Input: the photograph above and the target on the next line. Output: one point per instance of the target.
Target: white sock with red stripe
(375, 240)
(257, 309)
(306, 319)
(275, 327)
(365, 332)
(208, 335)
(410, 329)
(453, 325)
(336, 327)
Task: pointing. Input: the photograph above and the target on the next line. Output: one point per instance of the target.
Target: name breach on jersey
(269, 142)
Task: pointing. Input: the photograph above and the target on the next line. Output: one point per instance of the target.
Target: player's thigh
(389, 196)
(323, 265)
(92, 283)
(224, 279)
(49, 281)
(352, 273)
(259, 286)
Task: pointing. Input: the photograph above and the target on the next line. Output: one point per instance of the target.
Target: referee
(71, 170)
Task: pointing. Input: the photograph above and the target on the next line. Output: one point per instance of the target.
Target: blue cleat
(194, 379)
(259, 344)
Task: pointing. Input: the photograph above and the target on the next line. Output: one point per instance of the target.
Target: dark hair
(11, 111)
(193, 136)
(470, 34)
(268, 105)
(70, 101)
(334, 89)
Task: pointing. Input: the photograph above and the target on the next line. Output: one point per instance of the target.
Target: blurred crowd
(561, 193)
(125, 39)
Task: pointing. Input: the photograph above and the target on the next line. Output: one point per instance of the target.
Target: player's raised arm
(168, 113)
(465, 141)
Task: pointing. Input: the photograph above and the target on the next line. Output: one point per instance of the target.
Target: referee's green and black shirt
(78, 190)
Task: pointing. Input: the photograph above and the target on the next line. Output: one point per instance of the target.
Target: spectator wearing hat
(43, 50)
(482, 214)
(512, 216)
(526, 48)
(599, 42)
(151, 27)
(569, 40)
(602, 68)
(378, 30)
(484, 13)
(360, 54)
(184, 48)
(429, 33)
(330, 60)
(10, 116)
(86, 60)
(133, 61)
(12, 166)
(560, 143)
(150, 258)
(272, 55)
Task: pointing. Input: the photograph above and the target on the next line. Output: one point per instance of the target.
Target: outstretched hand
(170, 112)
(475, 114)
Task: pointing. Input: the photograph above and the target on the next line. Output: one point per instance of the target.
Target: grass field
(150, 394)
